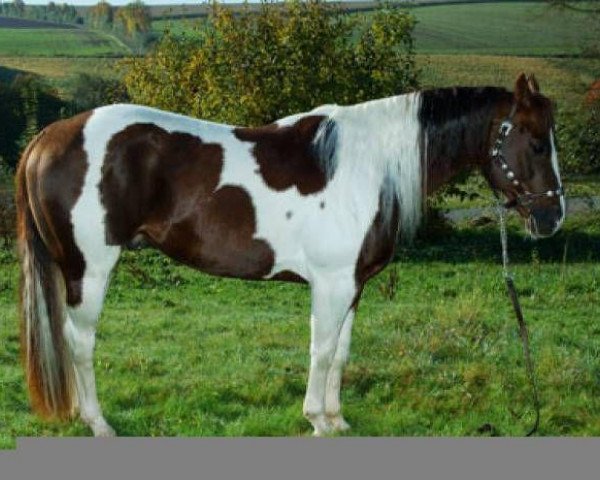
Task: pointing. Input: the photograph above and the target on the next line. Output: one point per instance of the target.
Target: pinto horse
(318, 197)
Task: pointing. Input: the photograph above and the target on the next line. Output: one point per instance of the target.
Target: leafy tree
(26, 105)
(580, 141)
(19, 7)
(90, 91)
(134, 18)
(255, 66)
(101, 15)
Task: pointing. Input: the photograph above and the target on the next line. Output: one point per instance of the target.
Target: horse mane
(378, 140)
(404, 137)
(455, 124)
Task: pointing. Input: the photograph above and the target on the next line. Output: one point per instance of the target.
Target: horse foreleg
(334, 377)
(80, 332)
(331, 300)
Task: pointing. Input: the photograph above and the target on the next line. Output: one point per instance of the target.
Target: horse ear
(533, 84)
(522, 91)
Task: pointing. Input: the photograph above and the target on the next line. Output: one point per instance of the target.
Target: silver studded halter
(525, 198)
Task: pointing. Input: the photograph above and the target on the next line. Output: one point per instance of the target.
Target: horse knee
(81, 341)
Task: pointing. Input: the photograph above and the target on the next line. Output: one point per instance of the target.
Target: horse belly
(217, 236)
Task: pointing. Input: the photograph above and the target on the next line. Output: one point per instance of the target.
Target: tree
(101, 15)
(19, 8)
(256, 66)
(134, 18)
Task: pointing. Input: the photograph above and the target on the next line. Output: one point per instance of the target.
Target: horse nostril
(546, 220)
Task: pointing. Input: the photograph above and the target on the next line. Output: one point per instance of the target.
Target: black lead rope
(514, 298)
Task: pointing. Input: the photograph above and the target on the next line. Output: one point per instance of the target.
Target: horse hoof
(338, 424)
(103, 430)
(321, 427)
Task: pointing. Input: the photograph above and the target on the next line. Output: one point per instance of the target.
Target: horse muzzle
(545, 221)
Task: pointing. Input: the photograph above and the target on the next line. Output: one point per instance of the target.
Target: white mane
(385, 137)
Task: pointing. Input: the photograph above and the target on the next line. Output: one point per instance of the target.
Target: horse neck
(378, 143)
(458, 125)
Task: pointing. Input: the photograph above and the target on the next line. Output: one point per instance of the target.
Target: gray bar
(303, 458)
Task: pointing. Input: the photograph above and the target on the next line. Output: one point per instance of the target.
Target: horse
(320, 197)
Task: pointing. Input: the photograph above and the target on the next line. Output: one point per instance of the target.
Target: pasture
(523, 28)
(180, 353)
(54, 42)
(517, 29)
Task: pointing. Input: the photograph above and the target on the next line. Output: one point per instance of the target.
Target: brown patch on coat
(285, 154)
(377, 249)
(164, 186)
(288, 276)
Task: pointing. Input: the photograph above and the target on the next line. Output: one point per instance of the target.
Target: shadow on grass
(483, 245)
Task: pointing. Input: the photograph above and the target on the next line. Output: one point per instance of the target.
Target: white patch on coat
(558, 180)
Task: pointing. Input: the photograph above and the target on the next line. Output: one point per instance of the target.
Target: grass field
(523, 29)
(58, 71)
(40, 42)
(56, 68)
(180, 353)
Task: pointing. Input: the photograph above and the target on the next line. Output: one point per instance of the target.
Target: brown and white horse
(318, 197)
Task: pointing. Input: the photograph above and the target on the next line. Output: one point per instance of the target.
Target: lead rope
(514, 298)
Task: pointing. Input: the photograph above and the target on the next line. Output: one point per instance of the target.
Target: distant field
(9, 22)
(58, 71)
(530, 29)
(58, 67)
(58, 43)
(523, 28)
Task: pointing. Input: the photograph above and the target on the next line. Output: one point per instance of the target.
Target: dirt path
(574, 205)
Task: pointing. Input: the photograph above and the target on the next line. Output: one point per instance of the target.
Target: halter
(525, 198)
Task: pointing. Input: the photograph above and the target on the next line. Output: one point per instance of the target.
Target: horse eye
(538, 148)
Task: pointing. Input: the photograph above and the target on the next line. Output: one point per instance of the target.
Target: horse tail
(45, 355)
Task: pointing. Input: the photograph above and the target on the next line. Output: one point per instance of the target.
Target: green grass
(59, 43)
(525, 29)
(180, 353)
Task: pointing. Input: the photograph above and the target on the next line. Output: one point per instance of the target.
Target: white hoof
(101, 428)
(321, 426)
(338, 424)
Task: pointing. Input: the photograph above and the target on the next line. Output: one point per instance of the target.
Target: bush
(579, 142)
(256, 66)
(26, 105)
(90, 91)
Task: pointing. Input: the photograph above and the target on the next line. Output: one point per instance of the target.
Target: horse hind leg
(80, 332)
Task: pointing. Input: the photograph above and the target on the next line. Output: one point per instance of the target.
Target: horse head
(524, 166)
